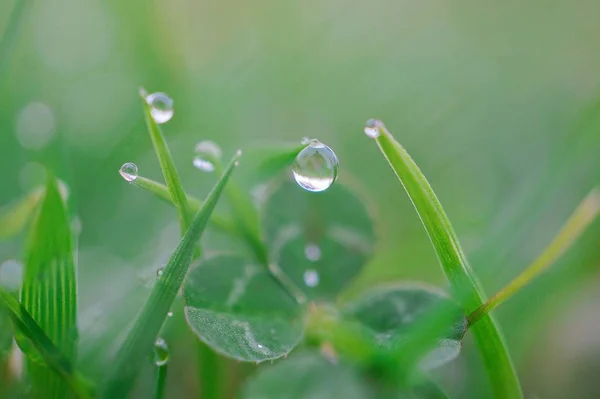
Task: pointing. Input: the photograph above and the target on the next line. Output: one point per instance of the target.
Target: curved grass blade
(466, 290)
(14, 216)
(49, 291)
(52, 356)
(168, 167)
(582, 217)
(141, 337)
(162, 192)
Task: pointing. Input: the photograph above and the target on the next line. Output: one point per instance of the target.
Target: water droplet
(312, 252)
(170, 314)
(11, 275)
(305, 140)
(207, 153)
(161, 107)
(316, 167)
(160, 271)
(129, 171)
(372, 128)
(311, 278)
(161, 352)
(63, 189)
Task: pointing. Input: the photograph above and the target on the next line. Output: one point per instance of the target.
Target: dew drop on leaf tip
(161, 107)
(129, 171)
(315, 167)
(161, 352)
(372, 128)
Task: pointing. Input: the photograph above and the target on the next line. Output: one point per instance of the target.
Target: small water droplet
(207, 153)
(311, 278)
(170, 314)
(11, 274)
(129, 171)
(372, 128)
(160, 271)
(161, 107)
(305, 140)
(315, 167)
(63, 189)
(312, 252)
(161, 352)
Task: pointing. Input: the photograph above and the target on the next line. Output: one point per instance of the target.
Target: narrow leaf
(465, 288)
(37, 338)
(168, 168)
(162, 192)
(49, 291)
(14, 217)
(141, 337)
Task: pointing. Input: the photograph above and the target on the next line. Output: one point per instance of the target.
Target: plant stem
(211, 372)
(160, 381)
(583, 216)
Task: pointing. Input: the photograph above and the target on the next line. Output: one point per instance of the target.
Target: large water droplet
(129, 171)
(316, 167)
(312, 252)
(372, 128)
(311, 278)
(161, 352)
(161, 107)
(207, 153)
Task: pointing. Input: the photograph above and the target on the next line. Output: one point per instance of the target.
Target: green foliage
(140, 339)
(389, 314)
(465, 288)
(308, 375)
(49, 291)
(239, 310)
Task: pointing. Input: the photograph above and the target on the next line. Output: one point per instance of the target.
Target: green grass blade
(168, 168)
(14, 217)
(52, 356)
(496, 358)
(582, 217)
(49, 291)
(162, 192)
(141, 337)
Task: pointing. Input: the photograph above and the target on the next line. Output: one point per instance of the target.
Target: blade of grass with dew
(168, 167)
(52, 356)
(141, 337)
(497, 361)
(49, 291)
(582, 217)
(162, 192)
(14, 216)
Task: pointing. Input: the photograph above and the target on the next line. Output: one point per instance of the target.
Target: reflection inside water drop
(129, 171)
(312, 252)
(372, 128)
(161, 107)
(311, 278)
(315, 167)
(161, 352)
(160, 272)
(207, 153)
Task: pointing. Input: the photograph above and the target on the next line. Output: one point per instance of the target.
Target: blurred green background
(496, 101)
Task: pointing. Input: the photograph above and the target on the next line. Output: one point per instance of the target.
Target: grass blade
(162, 192)
(140, 339)
(168, 167)
(14, 217)
(52, 356)
(584, 215)
(49, 291)
(466, 290)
